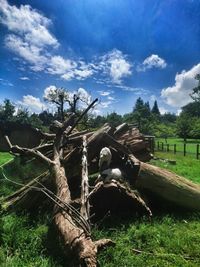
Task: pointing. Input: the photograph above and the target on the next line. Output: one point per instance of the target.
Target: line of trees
(149, 120)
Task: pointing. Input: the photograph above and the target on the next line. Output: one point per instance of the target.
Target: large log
(117, 198)
(169, 187)
(135, 141)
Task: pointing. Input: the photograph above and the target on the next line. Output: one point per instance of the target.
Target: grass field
(5, 157)
(191, 144)
(188, 167)
(168, 240)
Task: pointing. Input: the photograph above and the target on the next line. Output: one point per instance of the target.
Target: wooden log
(121, 129)
(116, 198)
(85, 206)
(169, 186)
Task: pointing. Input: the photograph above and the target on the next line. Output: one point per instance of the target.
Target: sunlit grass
(5, 157)
(188, 166)
(191, 144)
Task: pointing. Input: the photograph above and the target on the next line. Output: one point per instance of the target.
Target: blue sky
(114, 50)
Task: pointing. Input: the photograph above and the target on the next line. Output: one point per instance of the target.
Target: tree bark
(116, 198)
(169, 186)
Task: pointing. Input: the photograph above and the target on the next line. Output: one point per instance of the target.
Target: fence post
(158, 145)
(167, 147)
(184, 149)
(162, 146)
(174, 148)
(197, 151)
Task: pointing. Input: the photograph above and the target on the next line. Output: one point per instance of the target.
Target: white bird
(112, 174)
(105, 157)
(106, 173)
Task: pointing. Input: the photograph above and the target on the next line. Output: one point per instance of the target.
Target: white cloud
(153, 98)
(50, 90)
(27, 22)
(153, 61)
(32, 103)
(30, 39)
(69, 69)
(59, 65)
(178, 95)
(111, 98)
(104, 93)
(105, 104)
(24, 78)
(5, 82)
(115, 64)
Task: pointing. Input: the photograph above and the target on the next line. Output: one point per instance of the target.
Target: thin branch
(27, 151)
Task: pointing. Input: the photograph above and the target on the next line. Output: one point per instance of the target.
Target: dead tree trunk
(169, 186)
(85, 207)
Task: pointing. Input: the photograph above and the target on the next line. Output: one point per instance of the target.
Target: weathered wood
(85, 206)
(135, 141)
(169, 186)
(121, 129)
(116, 197)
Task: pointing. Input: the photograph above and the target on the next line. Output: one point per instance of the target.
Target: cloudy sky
(114, 50)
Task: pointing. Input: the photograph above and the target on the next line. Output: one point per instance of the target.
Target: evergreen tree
(7, 110)
(155, 110)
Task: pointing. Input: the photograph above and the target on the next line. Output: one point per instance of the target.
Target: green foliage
(5, 157)
(192, 109)
(7, 110)
(155, 109)
(164, 130)
(195, 131)
(114, 119)
(196, 91)
(184, 125)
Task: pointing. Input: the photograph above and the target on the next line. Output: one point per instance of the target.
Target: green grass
(5, 157)
(191, 144)
(188, 166)
(162, 243)
(23, 242)
(168, 240)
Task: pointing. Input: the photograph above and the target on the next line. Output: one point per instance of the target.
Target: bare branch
(29, 152)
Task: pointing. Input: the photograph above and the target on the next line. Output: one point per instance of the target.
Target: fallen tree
(69, 154)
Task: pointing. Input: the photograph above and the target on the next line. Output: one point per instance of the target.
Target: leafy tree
(196, 90)
(168, 118)
(192, 109)
(22, 116)
(114, 119)
(96, 122)
(46, 118)
(195, 131)
(7, 110)
(35, 121)
(184, 126)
